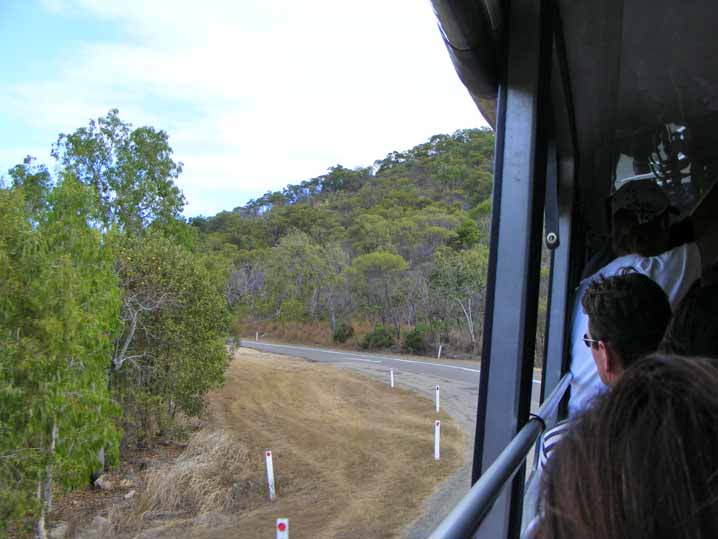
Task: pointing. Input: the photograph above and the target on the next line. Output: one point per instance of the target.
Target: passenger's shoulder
(617, 265)
(557, 430)
(551, 438)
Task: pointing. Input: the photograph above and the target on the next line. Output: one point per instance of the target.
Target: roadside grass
(201, 480)
(352, 457)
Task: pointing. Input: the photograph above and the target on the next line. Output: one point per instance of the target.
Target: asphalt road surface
(459, 387)
(464, 371)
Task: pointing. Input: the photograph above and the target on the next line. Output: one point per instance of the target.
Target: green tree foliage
(460, 278)
(35, 181)
(371, 232)
(295, 271)
(59, 303)
(131, 171)
(107, 296)
(320, 224)
(379, 337)
(376, 281)
(343, 332)
(175, 318)
(416, 340)
(467, 235)
(336, 300)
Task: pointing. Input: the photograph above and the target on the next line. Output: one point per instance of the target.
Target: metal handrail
(466, 517)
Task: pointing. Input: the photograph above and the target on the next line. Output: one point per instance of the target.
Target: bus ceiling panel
(632, 64)
(639, 64)
(471, 30)
(633, 67)
(669, 69)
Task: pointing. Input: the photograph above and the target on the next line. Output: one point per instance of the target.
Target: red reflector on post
(282, 528)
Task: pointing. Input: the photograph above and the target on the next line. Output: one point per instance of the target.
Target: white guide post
(256, 335)
(438, 356)
(437, 398)
(270, 474)
(391, 377)
(437, 436)
(282, 528)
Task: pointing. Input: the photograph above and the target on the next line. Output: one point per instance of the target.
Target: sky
(254, 95)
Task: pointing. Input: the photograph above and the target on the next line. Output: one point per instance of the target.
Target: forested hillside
(389, 255)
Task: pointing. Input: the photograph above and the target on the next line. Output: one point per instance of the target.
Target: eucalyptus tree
(294, 276)
(335, 292)
(131, 171)
(35, 181)
(460, 278)
(376, 280)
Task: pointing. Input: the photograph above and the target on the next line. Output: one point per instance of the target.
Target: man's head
(640, 219)
(627, 316)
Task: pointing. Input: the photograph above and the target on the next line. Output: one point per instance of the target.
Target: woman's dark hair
(693, 329)
(642, 462)
(628, 311)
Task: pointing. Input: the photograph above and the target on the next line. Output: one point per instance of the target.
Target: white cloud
(256, 95)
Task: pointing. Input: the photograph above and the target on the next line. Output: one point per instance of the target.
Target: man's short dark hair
(629, 311)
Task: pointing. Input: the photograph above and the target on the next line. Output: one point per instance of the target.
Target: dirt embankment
(353, 458)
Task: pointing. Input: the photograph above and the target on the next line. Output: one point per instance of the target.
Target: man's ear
(612, 362)
(602, 356)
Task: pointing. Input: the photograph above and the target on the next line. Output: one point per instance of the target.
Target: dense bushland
(400, 245)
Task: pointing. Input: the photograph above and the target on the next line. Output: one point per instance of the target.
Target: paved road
(464, 371)
(459, 386)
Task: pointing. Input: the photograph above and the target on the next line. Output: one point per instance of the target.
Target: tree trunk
(40, 531)
(469, 320)
(44, 489)
(412, 314)
(313, 303)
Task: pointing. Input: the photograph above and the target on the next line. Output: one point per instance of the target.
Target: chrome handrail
(465, 518)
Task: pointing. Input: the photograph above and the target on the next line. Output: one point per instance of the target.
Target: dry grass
(353, 458)
(201, 480)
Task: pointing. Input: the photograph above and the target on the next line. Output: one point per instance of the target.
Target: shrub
(343, 332)
(380, 337)
(416, 341)
(292, 310)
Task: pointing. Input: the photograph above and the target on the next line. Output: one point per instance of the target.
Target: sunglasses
(590, 343)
